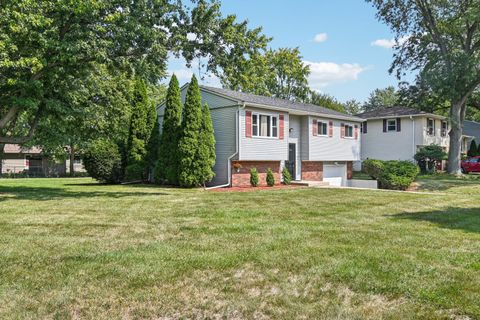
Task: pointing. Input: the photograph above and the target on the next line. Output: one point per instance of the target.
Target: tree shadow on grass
(445, 182)
(450, 218)
(47, 193)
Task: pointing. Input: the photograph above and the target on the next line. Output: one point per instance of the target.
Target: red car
(471, 165)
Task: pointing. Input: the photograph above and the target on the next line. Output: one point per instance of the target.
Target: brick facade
(242, 178)
(349, 170)
(312, 170)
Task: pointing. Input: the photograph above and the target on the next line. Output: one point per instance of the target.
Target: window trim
(395, 125)
(432, 127)
(345, 125)
(323, 122)
(270, 124)
(444, 131)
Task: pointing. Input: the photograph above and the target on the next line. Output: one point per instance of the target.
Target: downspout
(237, 146)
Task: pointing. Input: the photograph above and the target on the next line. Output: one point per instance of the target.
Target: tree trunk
(456, 131)
(72, 161)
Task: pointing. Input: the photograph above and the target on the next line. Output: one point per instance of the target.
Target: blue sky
(348, 50)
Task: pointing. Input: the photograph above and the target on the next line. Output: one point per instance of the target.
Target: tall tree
(278, 73)
(207, 146)
(326, 101)
(48, 47)
(353, 107)
(443, 42)
(168, 165)
(141, 124)
(190, 164)
(381, 98)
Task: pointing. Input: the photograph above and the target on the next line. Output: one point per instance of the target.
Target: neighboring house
(16, 159)
(251, 131)
(396, 133)
(472, 129)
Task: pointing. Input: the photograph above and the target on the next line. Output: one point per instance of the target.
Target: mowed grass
(71, 248)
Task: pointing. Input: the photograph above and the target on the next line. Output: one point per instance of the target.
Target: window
(264, 125)
(391, 125)
(430, 127)
(444, 128)
(348, 131)
(77, 160)
(322, 128)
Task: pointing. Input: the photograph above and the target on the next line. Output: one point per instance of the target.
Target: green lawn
(71, 248)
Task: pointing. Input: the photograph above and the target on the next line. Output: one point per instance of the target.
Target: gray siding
(260, 148)
(333, 148)
(304, 138)
(224, 125)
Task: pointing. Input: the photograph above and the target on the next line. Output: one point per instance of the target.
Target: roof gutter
(237, 148)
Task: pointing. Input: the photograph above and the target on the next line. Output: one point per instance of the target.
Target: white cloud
(389, 43)
(323, 74)
(320, 37)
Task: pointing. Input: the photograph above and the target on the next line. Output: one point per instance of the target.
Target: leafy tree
(428, 156)
(326, 101)
(153, 148)
(141, 125)
(473, 150)
(381, 98)
(190, 165)
(103, 161)
(442, 41)
(50, 48)
(207, 147)
(353, 107)
(278, 73)
(168, 164)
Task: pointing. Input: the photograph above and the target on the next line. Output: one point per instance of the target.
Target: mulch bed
(251, 189)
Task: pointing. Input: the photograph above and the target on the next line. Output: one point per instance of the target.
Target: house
(396, 133)
(472, 129)
(16, 159)
(251, 131)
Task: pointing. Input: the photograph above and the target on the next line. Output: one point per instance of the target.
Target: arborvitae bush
(254, 177)
(270, 178)
(287, 177)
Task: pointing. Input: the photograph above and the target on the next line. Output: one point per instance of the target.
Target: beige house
(16, 159)
(396, 133)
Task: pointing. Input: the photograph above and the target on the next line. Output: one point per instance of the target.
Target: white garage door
(336, 175)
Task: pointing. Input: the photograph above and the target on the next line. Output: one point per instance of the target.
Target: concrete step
(313, 184)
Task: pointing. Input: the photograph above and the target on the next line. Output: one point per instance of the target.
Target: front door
(290, 164)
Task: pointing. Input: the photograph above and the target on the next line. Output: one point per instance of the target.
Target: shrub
(103, 161)
(428, 156)
(270, 178)
(135, 171)
(254, 177)
(398, 175)
(373, 168)
(473, 150)
(287, 177)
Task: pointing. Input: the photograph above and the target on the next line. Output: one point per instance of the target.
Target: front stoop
(312, 184)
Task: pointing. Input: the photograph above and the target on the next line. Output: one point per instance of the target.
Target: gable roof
(471, 128)
(395, 112)
(263, 101)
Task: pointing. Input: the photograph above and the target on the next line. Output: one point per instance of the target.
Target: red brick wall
(312, 170)
(349, 169)
(242, 178)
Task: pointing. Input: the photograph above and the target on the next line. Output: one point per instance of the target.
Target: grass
(71, 248)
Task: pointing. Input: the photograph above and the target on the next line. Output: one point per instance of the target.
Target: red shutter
(330, 129)
(342, 132)
(356, 131)
(282, 127)
(248, 124)
(314, 127)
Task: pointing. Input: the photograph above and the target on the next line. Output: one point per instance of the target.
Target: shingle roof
(279, 103)
(396, 111)
(471, 128)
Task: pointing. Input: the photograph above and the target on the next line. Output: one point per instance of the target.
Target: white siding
(260, 148)
(423, 139)
(393, 145)
(333, 148)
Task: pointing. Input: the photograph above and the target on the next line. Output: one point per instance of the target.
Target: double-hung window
(322, 128)
(430, 127)
(444, 128)
(264, 125)
(391, 125)
(348, 131)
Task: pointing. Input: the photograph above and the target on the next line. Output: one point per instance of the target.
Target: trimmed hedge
(287, 177)
(103, 161)
(270, 178)
(254, 177)
(394, 175)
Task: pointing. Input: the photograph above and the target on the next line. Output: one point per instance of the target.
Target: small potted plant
(237, 166)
